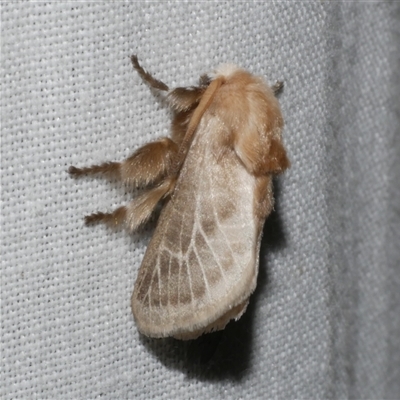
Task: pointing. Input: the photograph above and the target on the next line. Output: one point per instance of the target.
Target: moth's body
(201, 264)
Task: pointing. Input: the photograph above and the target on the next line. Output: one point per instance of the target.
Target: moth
(213, 180)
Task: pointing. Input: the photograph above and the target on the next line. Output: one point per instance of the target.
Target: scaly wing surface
(202, 260)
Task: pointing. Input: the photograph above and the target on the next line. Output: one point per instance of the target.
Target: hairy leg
(146, 165)
(147, 77)
(181, 98)
(138, 211)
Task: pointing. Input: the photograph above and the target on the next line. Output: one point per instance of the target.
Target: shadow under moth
(213, 178)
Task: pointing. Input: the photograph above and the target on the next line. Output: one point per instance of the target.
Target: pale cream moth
(213, 178)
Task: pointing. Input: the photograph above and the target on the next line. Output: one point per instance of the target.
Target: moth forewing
(215, 178)
(202, 261)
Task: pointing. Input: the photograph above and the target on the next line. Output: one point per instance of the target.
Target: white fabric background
(325, 319)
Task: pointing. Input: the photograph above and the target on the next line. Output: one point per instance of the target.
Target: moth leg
(149, 163)
(146, 165)
(114, 219)
(138, 211)
(183, 101)
(147, 77)
(181, 98)
(179, 125)
(185, 98)
(277, 87)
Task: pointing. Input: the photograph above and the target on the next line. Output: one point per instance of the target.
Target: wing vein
(150, 286)
(219, 225)
(190, 280)
(213, 253)
(203, 273)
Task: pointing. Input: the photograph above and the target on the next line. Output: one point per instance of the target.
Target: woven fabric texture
(324, 321)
